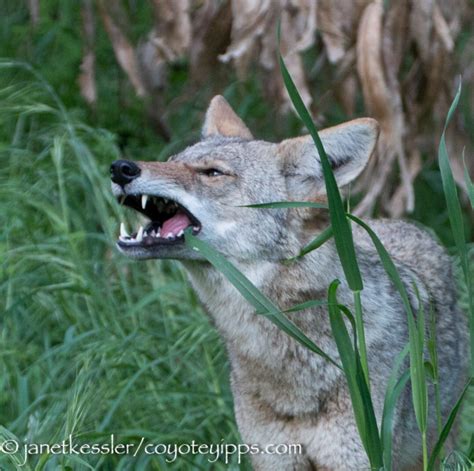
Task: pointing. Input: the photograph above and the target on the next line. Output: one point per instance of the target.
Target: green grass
(90, 342)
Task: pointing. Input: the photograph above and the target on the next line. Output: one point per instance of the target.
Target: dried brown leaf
(370, 64)
(337, 22)
(87, 83)
(211, 29)
(123, 49)
(421, 26)
(250, 20)
(172, 27)
(395, 36)
(442, 29)
(382, 98)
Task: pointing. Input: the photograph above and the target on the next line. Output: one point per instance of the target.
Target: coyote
(284, 393)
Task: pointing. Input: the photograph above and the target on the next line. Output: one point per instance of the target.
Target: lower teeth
(142, 234)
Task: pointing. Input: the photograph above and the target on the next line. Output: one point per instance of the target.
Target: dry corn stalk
(253, 40)
(399, 55)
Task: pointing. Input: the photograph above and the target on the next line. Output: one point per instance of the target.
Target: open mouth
(168, 221)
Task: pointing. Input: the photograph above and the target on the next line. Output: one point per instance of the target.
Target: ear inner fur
(348, 146)
(221, 120)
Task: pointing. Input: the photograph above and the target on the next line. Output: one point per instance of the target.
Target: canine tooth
(153, 233)
(180, 233)
(144, 200)
(139, 236)
(123, 231)
(169, 235)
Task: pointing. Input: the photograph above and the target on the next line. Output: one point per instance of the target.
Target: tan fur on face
(175, 171)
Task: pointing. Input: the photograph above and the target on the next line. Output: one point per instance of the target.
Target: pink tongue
(177, 223)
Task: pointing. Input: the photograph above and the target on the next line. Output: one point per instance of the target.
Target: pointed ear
(348, 147)
(221, 120)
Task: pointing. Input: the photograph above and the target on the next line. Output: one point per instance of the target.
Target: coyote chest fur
(284, 393)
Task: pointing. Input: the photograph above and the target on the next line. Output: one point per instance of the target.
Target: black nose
(124, 171)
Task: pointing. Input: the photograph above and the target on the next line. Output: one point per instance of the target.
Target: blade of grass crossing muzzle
(250, 292)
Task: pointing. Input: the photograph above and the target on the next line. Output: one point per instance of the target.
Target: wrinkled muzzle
(136, 188)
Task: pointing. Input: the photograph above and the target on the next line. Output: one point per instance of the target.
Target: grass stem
(361, 336)
(425, 450)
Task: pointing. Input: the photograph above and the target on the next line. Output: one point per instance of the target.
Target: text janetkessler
(216, 451)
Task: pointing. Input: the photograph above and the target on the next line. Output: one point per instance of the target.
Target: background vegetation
(91, 343)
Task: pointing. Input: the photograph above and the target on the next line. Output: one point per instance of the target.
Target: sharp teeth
(158, 232)
(144, 200)
(153, 233)
(169, 235)
(180, 233)
(165, 200)
(139, 236)
(195, 228)
(123, 231)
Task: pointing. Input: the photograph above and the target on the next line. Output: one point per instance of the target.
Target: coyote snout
(283, 393)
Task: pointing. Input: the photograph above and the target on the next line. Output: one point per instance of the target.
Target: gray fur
(284, 393)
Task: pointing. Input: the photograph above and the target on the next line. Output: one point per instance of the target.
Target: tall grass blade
(319, 240)
(340, 224)
(393, 393)
(356, 381)
(342, 230)
(417, 369)
(306, 305)
(447, 428)
(455, 216)
(431, 346)
(468, 182)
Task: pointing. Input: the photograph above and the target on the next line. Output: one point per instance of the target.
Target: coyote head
(206, 187)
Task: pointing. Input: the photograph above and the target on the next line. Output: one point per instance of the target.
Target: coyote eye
(211, 172)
